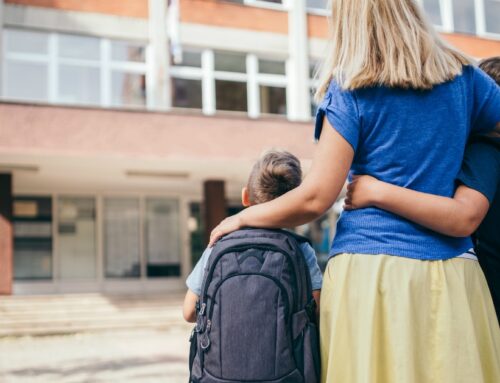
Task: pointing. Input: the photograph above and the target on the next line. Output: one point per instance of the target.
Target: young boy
(478, 191)
(274, 174)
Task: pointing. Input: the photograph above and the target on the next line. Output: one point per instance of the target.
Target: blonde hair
(274, 174)
(386, 42)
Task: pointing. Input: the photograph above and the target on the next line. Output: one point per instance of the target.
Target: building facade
(128, 127)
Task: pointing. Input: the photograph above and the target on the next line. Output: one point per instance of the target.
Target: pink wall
(32, 129)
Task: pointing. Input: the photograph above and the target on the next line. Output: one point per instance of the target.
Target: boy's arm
(189, 308)
(458, 217)
(194, 282)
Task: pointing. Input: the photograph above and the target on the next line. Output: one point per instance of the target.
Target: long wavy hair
(386, 42)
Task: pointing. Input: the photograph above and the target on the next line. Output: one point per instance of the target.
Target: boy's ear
(245, 198)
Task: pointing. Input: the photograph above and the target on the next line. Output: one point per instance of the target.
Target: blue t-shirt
(410, 138)
(195, 279)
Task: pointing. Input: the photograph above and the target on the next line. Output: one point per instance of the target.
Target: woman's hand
(227, 226)
(362, 192)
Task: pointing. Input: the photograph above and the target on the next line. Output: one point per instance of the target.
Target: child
(478, 190)
(274, 174)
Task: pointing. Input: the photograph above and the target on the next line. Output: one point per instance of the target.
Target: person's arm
(317, 193)
(189, 307)
(459, 216)
(194, 283)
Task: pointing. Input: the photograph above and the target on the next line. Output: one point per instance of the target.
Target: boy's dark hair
(492, 68)
(274, 174)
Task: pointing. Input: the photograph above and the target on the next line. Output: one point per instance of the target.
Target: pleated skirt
(387, 319)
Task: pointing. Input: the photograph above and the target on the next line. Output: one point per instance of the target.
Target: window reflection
(32, 238)
(231, 95)
(162, 236)
(187, 93)
(272, 100)
(122, 237)
(128, 89)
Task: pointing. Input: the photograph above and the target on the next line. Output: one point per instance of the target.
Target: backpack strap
(299, 238)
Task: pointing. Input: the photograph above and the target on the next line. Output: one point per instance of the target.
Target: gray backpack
(256, 318)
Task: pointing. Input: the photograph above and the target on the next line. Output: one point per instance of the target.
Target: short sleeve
(486, 104)
(195, 279)
(312, 264)
(481, 167)
(341, 109)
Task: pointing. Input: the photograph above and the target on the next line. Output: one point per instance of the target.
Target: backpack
(256, 319)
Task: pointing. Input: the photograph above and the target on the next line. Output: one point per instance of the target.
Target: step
(64, 314)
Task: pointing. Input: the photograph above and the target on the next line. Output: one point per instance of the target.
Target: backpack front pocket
(248, 329)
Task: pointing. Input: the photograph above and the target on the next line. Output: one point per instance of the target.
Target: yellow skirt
(387, 319)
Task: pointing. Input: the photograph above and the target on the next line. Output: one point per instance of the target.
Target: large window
(89, 238)
(71, 69)
(229, 81)
(32, 238)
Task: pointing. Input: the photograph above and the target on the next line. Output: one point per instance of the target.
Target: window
(492, 11)
(229, 81)
(123, 51)
(26, 66)
(32, 238)
(231, 95)
(268, 3)
(26, 80)
(433, 9)
(162, 238)
(122, 237)
(314, 66)
(79, 85)
(71, 69)
(272, 100)
(128, 89)
(317, 4)
(187, 93)
(272, 67)
(77, 237)
(230, 62)
(464, 16)
(186, 80)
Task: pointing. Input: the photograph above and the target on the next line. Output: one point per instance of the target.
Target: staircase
(72, 313)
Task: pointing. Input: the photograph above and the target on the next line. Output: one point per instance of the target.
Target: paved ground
(142, 356)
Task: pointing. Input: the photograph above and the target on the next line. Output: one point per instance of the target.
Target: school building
(128, 127)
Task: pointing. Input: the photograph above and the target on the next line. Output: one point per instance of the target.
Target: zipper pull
(209, 325)
(203, 307)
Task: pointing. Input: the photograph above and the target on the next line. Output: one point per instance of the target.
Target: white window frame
(481, 21)
(105, 64)
(318, 11)
(252, 78)
(269, 5)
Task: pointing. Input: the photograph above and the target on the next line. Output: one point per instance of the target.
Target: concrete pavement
(132, 356)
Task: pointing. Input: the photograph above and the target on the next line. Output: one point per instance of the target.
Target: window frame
(252, 78)
(105, 64)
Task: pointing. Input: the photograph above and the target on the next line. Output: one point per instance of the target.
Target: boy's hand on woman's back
(362, 192)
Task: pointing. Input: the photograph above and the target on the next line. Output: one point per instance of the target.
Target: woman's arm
(459, 216)
(317, 193)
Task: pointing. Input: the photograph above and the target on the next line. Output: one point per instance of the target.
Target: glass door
(77, 238)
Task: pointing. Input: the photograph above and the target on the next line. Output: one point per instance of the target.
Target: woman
(399, 304)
